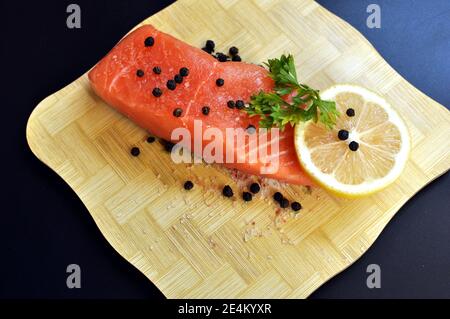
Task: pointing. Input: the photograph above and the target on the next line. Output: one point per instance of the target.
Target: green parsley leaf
(306, 103)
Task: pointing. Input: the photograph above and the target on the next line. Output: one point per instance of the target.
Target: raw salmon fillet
(116, 81)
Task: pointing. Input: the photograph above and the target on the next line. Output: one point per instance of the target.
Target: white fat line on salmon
(277, 155)
(240, 146)
(122, 72)
(200, 86)
(264, 144)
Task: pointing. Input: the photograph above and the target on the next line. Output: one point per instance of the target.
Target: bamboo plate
(197, 244)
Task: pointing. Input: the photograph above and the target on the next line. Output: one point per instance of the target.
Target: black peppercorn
(135, 151)
(210, 45)
(149, 42)
(221, 57)
(343, 135)
(177, 112)
(240, 104)
(233, 51)
(157, 92)
(296, 206)
(157, 70)
(205, 110)
(151, 139)
(171, 85)
(184, 71)
(251, 129)
(220, 82)
(255, 188)
(246, 196)
(230, 104)
(284, 203)
(168, 146)
(207, 50)
(350, 112)
(277, 197)
(140, 73)
(188, 185)
(178, 78)
(227, 191)
(353, 146)
(236, 58)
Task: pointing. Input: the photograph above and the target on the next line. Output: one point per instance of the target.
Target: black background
(45, 227)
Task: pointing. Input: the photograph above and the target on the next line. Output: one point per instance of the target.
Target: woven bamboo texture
(198, 244)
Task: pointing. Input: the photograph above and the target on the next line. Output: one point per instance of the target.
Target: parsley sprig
(306, 103)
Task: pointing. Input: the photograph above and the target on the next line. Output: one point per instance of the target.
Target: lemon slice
(367, 155)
